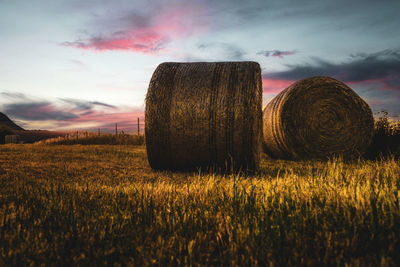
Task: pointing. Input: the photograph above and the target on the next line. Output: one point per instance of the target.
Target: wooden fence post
(138, 126)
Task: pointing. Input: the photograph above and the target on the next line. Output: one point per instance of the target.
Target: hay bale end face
(316, 118)
(204, 115)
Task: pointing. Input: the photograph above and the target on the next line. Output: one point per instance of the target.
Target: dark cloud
(383, 66)
(84, 105)
(276, 53)
(67, 114)
(25, 108)
(67, 118)
(102, 104)
(14, 95)
(229, 51)
(37, 111)
(369, 12)
(134, 19)
(375, 76)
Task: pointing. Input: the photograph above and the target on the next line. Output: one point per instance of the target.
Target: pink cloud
(146, 42)
(91, 121)
(384, 83)
(275, 86)
(126, 121)
(105, 118)
(271, 86)
(152, 37)
(72, 114)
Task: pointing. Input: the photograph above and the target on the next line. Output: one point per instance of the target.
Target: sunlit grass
(103, 205)
(95, 139)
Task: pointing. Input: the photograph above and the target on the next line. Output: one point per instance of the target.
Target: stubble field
(96, 205)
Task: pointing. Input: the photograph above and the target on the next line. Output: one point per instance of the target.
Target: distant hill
(4, 120)
(27, 136)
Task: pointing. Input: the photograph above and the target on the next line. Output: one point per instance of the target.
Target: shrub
(4, 130)
(386, 140)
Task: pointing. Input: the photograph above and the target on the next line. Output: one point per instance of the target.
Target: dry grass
(204, 115)
(95, 139)
(102, 205)
(316, 118)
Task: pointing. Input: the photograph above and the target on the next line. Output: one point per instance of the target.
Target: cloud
(375, 76)
(272, 86)
(276, 53)
(382, 66)
(37, 111)
(25, 108)
(145, 31)
(287, 11)
(126, 120)
(85, 105)
(226, 50)
(148, 42)
(69, 114)
(13, 95)
(103, 104)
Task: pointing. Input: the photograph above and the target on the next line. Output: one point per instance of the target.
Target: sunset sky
(67, 65)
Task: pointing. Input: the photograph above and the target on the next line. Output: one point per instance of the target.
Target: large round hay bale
(316, 118)
(206, 115)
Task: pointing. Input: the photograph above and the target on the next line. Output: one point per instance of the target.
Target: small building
(12, 139)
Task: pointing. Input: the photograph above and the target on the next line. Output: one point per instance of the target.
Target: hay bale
(315, 118)
(206, 115)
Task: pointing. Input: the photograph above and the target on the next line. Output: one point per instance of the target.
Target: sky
(83, 65)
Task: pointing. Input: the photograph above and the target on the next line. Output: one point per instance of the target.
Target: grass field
(96, 205)
(94, 139)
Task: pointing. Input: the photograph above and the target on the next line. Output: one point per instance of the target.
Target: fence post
(116, 129)
(138, 126)
(98, 132)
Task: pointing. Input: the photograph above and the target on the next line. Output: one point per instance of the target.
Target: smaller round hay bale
(316, 118)
(204, 115)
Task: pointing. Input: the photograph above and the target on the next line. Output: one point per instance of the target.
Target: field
(95, 139)
(86, 205)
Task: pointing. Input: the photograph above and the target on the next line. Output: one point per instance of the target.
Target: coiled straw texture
(204, 115)
(316, 118)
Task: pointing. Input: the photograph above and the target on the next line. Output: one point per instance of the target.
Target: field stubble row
(103, 205)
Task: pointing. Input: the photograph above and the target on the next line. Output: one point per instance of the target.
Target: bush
(4, 130)
(386, 140)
